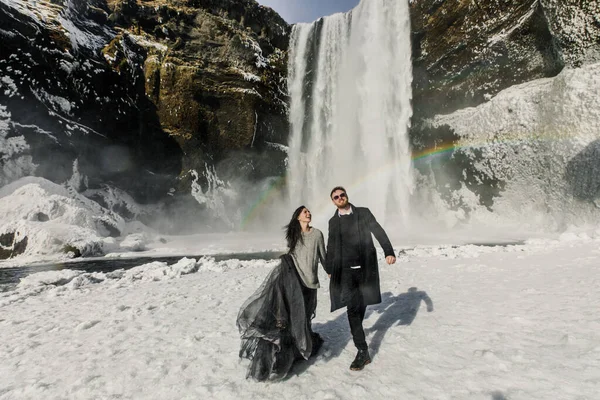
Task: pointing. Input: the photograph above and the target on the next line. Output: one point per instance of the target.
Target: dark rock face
(9, 247)
(218, 83)
(69, 103)
(140, 92)
(466, 52)
(575, 25)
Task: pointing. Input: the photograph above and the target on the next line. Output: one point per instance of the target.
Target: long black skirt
(274, 323)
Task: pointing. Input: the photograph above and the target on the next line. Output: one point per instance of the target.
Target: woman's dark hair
(293, 230)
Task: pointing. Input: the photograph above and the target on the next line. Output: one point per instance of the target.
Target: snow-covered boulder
(44, 218)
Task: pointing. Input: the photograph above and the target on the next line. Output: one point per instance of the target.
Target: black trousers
(310, 304)
(351, 295)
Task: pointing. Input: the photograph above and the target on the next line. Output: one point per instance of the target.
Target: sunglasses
(339, 196)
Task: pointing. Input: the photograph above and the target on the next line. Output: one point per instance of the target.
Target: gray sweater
(307, 255)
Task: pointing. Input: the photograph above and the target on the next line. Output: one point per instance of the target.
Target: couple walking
(275, 322)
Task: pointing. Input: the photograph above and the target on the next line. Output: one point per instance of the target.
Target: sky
(308, 10)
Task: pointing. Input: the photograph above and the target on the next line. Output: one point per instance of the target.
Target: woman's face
(304, 215)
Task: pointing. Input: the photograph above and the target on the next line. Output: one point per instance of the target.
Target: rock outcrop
(140, 93)
(466, 52)
(215, 71)
(72, 110)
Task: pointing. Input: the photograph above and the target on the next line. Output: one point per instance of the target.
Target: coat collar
(335, 214)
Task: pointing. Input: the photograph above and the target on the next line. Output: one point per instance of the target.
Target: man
(351, 263)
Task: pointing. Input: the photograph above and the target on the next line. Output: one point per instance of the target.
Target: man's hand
(390, 259)
(329, 276)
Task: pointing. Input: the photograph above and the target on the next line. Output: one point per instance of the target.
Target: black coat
(367, 225)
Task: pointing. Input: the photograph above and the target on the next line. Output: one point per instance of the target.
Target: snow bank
(56, 220)
(68, 280)
(569, 238)
(14, 160)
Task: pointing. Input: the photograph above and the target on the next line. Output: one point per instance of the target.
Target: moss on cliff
(212, 71)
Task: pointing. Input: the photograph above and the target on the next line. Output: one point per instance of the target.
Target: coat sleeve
(380, 235)
(330, 251)
(321, 249)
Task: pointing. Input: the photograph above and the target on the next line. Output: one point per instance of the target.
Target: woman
(275, 322)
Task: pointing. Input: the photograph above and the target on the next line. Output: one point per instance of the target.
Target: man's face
(339, 198)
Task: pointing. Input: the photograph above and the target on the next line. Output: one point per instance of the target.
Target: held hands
(389, 259)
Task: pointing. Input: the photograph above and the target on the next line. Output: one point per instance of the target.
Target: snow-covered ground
(513, 322)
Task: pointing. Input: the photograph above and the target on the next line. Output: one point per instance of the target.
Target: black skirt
(274, 323)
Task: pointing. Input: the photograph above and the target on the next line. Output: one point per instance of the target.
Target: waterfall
(350, 81)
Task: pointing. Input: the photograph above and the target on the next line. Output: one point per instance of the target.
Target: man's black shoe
(362, 358)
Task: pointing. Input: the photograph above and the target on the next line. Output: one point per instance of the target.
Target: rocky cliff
(466, 52)
(143, 95)
(168, 97)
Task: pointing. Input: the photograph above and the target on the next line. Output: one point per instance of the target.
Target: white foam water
(350, 86)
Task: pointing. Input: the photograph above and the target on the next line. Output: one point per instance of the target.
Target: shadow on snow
(393, 311)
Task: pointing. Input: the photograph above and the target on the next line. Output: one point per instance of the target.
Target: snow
(57, 103)
(42, 10)
(575, 23)
(278, 146)
(248, 76)
(8, 85)
(79, 35)
(571, 103)
(215, 196)
(518, 25)
(252, 92)
(15, 162)
(513, 322)
(7, 34)
(134, 242)
(261, 61)
(147, 43)
(45, 12)
(54, 217)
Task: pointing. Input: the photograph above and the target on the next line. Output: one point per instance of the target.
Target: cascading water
(350, 86)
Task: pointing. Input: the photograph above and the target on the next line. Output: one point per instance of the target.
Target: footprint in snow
(86, 325)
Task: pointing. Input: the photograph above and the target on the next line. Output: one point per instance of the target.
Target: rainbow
(262, 199)
(277, 184)
(416, 157)
(421, 155)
